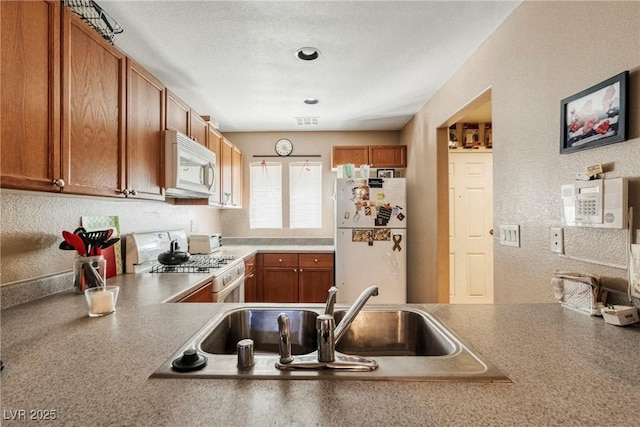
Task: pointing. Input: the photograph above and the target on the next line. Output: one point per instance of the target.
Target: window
(305, 195)
(266, 195)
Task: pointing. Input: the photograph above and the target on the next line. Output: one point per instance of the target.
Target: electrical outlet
(510, 235)
(557, 240)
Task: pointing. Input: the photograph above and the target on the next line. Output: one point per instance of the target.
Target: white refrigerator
(371, 239)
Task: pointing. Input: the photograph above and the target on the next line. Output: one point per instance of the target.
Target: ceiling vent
(308, 121)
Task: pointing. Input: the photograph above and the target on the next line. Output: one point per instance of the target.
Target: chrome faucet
(325, 325)
(353, 311)
(284, 330)
(331, 300)
(328, 335)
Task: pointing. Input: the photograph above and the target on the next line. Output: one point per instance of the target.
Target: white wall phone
(596, 203)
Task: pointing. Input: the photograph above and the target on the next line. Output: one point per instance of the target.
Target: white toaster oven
(205, 243)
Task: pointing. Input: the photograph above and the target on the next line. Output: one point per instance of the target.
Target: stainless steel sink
(261, 326)
(406, 341)
(397, 332)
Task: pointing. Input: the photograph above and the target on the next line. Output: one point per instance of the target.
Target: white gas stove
(226, 271)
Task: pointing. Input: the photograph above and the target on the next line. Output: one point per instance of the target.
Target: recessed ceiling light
(308, 53)
(311, 101)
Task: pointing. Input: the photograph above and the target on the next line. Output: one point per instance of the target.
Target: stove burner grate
(196, 264)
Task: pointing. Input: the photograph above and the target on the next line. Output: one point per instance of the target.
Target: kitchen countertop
(566, 368)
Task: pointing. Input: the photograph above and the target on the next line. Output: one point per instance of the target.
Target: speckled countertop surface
(567, 369)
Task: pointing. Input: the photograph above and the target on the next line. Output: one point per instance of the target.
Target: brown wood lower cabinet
(294, 278)
(203, 294)
(250, 280)
(315, 278)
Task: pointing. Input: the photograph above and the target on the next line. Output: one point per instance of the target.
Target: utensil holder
(89, 272)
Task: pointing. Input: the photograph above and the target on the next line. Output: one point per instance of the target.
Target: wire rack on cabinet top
(94, 15)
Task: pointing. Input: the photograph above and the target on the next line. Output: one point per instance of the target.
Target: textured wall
(543, 52)
(235, 223)
(31, 224)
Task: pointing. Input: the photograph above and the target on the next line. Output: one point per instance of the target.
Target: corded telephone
(596, 203)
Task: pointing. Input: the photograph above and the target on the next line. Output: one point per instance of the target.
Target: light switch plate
(510, 235)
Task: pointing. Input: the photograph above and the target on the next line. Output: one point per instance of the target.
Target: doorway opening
(465, 144)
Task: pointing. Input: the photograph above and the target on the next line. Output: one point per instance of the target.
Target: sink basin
(393, 333)
(261, 325)
(406, 341)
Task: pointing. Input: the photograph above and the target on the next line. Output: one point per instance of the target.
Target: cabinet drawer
(280, 260)
(316, 260)
(204, 294)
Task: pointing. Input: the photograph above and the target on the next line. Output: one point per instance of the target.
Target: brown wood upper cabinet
(357, 155)
(104, 139)
(30, 85)
(178, 114)
(377, 156)
(230, 165)
(80, 117)
(236, 177)
(93, 111)
(184, 119)
(388, 156)
(145, 143)
(198, 128)
(214, 143)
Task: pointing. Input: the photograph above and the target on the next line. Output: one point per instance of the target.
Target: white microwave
(190, 168)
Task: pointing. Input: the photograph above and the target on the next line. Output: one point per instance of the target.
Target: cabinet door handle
(58, 182)
(295, 269)
(279, 259)
(315, 260)
(133, 192)
(300, 270)
(125, 192)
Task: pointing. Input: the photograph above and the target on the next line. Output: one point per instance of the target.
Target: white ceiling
(380, 61)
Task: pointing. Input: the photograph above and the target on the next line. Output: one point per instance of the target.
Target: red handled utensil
(75, 241)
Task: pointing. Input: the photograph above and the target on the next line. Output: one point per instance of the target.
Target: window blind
(305, 195)
(265, 208)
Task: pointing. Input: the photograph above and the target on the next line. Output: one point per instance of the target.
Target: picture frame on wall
(596, 116)
(385, 173)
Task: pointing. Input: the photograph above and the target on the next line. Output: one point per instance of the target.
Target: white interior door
(470, 224)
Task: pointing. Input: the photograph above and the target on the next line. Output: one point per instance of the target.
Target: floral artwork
(595, 116)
